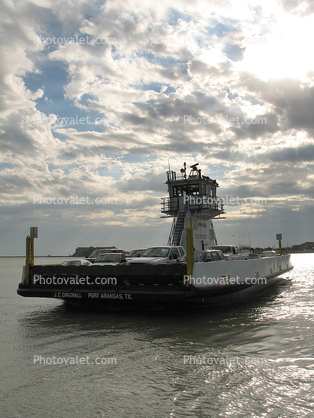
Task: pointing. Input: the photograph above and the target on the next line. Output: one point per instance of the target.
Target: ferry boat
(193, 204)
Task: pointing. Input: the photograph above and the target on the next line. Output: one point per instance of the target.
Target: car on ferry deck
(269, 254)
(135, 253)
(83, 262)
(229, 251)
(112, 259)
(205, 256)
(92, 257)
(208, 255)
(160, 255)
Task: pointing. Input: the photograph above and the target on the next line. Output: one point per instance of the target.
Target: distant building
(83, 251)
(306, 246)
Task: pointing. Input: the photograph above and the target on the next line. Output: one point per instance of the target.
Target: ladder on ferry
(177, 229)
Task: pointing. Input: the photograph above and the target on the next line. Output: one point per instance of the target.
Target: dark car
(110, 259)
(136, 253)
(92, 257)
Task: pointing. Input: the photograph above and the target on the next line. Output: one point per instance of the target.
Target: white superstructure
(192, 198)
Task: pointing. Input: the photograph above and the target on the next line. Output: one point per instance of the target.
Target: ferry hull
(152, 287)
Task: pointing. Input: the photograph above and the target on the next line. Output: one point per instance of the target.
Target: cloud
(234, 52)
(297, 154)
(300, 7)
(144, 83)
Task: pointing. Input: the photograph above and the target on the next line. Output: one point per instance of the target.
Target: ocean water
(254, 359)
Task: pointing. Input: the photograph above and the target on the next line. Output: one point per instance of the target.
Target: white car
(160, 255)
(269, 254)
(204, 256)
(76, 263)
(229, 251)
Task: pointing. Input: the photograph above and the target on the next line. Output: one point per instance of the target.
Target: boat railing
(195, 203)
(171, 231)
(205, 202)
(169, 206)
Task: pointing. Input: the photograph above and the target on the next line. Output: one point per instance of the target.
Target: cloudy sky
(98, 97)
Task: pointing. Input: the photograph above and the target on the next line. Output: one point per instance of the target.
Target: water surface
(253, 359)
